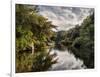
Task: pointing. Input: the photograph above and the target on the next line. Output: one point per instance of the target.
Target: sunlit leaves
(32, 30)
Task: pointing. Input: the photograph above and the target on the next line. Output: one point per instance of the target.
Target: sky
(64, 17)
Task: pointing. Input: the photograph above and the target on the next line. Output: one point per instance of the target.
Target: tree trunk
(32, 45)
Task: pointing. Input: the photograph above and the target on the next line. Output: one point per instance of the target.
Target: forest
(35, 40)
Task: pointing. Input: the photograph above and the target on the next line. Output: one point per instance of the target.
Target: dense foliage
(33, 33)
(34, 36)
(79, 40)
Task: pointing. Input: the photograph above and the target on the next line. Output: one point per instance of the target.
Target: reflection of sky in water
(64, 17)
(67, 61)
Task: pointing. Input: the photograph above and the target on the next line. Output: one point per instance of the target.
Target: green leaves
(42, 62)
(79, 41)
(32, 28)
(24, 62)
(23, 38)
(83, 46)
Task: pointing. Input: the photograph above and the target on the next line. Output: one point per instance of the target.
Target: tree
(79, 41)
(83, 44)
(33, 33)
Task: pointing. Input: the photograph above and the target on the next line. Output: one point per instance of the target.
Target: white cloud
(64, 17)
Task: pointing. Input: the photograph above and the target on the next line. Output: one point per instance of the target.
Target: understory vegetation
(33, 35)
(35, 39)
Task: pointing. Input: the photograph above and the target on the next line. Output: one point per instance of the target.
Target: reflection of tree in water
(66, 61)
(39, 48)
